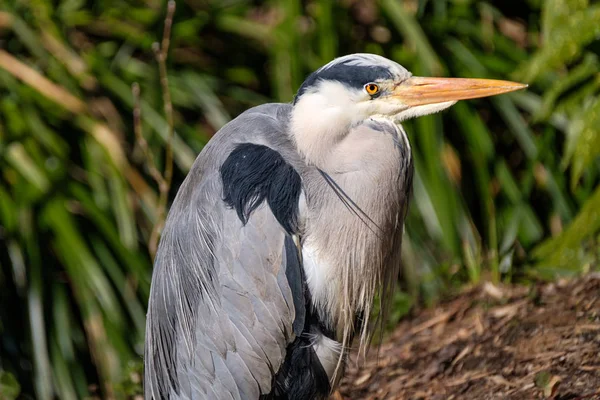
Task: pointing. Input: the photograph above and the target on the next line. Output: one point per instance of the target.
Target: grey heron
(285, 230)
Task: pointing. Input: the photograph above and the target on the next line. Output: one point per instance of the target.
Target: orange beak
(418, 91)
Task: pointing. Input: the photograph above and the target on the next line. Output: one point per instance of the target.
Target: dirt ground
(491, 343)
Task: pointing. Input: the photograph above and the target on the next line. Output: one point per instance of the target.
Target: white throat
(321, 118)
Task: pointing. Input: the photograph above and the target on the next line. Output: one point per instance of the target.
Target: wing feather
(221, 310)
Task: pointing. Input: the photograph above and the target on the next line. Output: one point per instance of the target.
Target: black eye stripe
(351, 75)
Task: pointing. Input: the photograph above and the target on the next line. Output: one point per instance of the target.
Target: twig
(161, 57)
(139, 137)
(163, 180)
(443, 317)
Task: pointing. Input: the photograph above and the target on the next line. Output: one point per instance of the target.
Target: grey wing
(221, 310)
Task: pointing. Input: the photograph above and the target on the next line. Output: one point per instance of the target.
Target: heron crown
(355, 71)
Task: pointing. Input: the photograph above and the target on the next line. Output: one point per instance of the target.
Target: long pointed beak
(417, 91)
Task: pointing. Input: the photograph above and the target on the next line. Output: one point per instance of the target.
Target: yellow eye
(372, 88)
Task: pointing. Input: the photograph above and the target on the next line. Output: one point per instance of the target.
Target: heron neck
(317, 127)
(355, 210)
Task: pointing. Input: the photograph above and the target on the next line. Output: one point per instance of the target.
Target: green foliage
(565, 252)
(504, 188)
(583, 141)
(9, 387)
(567, 67)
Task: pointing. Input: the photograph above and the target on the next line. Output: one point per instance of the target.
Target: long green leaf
(565, 251)
(583, 143)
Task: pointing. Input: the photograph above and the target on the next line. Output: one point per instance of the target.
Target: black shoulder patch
(253, 173)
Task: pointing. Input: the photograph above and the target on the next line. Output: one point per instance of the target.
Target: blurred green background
(505, 188)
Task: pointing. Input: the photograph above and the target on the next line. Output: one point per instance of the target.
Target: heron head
(358, 86)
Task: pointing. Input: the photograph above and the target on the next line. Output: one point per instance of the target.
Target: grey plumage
(228, 300)
(219, 304)
(286, 229)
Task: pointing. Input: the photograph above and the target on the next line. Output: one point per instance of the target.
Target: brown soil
(491, 343)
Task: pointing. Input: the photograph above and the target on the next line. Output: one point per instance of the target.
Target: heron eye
(372, 88)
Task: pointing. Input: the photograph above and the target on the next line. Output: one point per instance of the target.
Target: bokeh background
(506, 188)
